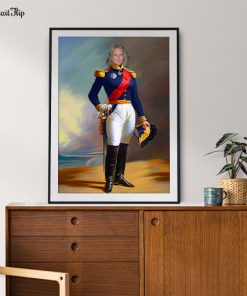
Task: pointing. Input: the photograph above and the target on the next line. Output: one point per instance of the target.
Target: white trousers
(120, 125)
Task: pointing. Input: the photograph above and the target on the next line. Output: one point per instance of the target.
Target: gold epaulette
(132, 73)
(101, 73)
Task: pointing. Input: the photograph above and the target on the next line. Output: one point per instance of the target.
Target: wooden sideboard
(130, 251)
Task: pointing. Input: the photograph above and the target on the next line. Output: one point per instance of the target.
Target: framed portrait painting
(114, 116)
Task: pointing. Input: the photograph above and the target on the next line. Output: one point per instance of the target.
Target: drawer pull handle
(155, 222)
(75, 247)
(74, 279)
(74, 221)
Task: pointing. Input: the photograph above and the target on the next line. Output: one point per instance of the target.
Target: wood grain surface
(57, 249)
(196, 253)
(59, 223)
(136, 251)
(86, 279)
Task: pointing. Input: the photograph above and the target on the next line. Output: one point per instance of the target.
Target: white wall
(213, 93)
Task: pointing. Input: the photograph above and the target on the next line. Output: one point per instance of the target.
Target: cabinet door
(193, 253)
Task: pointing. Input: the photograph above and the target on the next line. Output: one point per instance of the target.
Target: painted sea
(85, 159)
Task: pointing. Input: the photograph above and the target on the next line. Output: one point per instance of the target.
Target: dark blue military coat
(110, 79)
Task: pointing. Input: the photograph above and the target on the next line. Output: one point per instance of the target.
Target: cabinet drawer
(73, 223)
(87, 279)
(57, 249)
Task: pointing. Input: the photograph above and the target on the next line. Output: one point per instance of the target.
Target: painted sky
(79, 57)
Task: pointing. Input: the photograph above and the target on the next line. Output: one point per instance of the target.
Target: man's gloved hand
(103, 107)
(145, 124)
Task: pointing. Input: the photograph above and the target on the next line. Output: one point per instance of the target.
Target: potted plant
(235, 154)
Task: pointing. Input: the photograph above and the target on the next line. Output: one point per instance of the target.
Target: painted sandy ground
(151, 176)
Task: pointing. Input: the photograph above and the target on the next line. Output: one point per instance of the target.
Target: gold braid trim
(120, 102)
(142, 118)
(98, 107)
(132, 73)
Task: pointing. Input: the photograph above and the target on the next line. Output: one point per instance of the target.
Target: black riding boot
(121, 161)
(110, 167)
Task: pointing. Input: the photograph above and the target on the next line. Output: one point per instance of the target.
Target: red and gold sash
(118, 91)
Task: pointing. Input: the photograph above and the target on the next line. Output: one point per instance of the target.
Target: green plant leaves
(225, 138)
(231, 149)
(226, 168)
(243, 168)
(244, 158)
(213, 152)
(239, 143)
(235, 153)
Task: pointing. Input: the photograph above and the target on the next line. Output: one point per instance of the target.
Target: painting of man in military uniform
(108, 87)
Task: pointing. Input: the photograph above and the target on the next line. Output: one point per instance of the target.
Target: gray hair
(115, 46)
